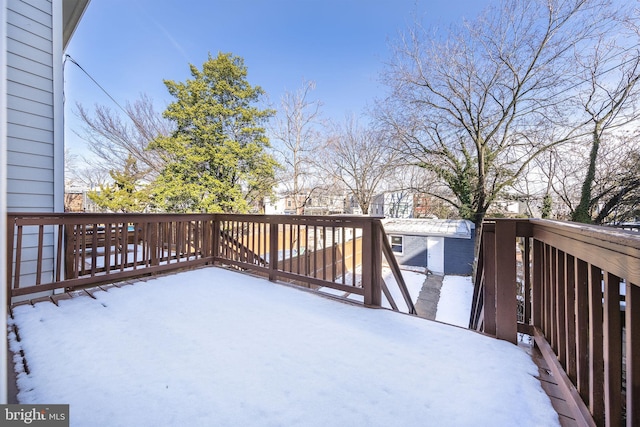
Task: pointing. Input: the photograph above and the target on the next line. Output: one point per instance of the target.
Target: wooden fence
(64, 251)
(578, 288)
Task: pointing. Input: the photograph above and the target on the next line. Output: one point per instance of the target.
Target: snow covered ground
(212, 347)
(414, 281)
(454, 306)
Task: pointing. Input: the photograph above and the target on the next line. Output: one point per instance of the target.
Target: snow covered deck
(216, 347)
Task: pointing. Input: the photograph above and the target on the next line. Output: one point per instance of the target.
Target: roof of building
(72, 11)
(455, 228)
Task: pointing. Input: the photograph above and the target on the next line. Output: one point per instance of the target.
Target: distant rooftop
(455, 228)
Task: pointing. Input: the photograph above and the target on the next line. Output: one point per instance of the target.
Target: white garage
(444, 246)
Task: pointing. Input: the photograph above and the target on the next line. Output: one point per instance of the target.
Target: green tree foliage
(125, 194)
(216, 158)
(547, 206)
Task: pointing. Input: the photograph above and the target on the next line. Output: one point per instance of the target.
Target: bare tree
(469, 106)
(113, 138)
(296, 134)
(405, 187)
(360, 158)
(608, 101)
(587, 175)
(615, 188)
(87, 176)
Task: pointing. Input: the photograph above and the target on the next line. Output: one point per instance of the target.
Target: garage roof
(455, 228)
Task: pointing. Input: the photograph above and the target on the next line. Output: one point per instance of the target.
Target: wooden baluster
(613, 351)
(596, 358)
(582, 329)
(570, 317)
(632, 335)
(561, 332)
(273, 250)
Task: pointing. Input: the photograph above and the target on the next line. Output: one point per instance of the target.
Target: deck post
(371, 264)
(506, 302)
(489, 263)
(273, 250)
(68, 251)
(536, 291)
(215, 244)
(526, 263)
(10, 238)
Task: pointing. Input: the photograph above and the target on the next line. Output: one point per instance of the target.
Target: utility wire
(68, 57)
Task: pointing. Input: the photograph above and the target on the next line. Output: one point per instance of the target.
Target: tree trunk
(581, 213)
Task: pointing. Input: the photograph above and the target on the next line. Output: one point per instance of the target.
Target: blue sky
(130, 46)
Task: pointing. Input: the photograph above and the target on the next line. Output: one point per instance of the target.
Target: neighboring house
(426, 206)
(351, 206)
(393, 204)
(33, 36)
(274, 206)
(318, 202)
(77, 200)
(444, 246)
(325, 203)
(507, 208)
(408, 204)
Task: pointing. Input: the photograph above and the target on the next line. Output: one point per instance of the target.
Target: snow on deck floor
(215, 347)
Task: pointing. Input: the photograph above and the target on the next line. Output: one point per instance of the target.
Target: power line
(68, 57)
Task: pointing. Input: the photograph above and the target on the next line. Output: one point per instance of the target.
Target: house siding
(3, 192)
(30, 106)
(34, 98)
(414, 250)
(458, 256)
(458, 253)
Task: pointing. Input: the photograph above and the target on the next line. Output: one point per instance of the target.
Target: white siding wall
(34, 117)
(3, 198)
(30, 105)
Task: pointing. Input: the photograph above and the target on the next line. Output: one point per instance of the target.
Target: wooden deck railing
(338, 252)
(579, 291)
(65, 251)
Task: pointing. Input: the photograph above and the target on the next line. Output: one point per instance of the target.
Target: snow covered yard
(454, 305)
(214, 347)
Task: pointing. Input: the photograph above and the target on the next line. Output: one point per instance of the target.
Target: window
(397, 244)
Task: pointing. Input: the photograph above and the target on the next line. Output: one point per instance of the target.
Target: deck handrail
(70, 250)
(580, 301)
(49, 251)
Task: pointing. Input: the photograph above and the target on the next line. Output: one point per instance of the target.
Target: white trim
(391, 236)
(3, 198)
(58, 108)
